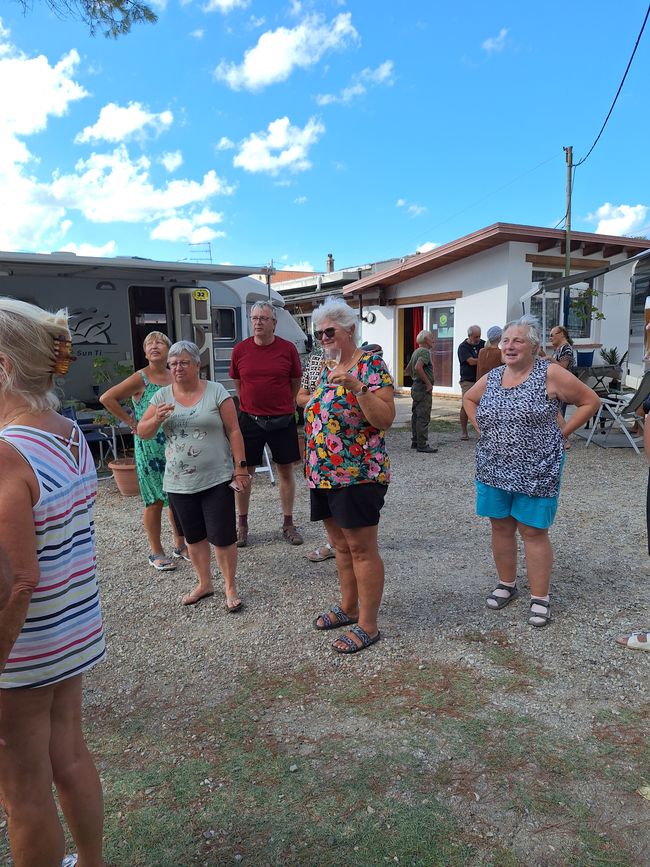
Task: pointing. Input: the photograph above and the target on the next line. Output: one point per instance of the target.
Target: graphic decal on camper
(89, 325)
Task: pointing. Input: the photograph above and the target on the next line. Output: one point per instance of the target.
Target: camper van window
(223, 323)
(578, 328)
(640, 292)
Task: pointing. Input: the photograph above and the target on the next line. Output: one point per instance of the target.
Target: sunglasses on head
(328, 332)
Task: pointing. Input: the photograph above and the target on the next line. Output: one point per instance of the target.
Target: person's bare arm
(228, 413)
(112, 399)
(646, 438)
(236, 383)
(6, 579)
(419, 369)
(566, 387)
(471, 361)
(472, 398)
(18, 492)
(154, 416)
(302, 397)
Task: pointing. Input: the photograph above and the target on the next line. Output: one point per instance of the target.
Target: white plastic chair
(615, 411)
(267, 467)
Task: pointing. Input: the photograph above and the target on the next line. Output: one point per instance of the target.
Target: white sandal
(316, 556)
(633, 643)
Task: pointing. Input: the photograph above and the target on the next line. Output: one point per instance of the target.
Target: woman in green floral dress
(149, 454)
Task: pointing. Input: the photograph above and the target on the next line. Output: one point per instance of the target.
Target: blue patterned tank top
(520, 448)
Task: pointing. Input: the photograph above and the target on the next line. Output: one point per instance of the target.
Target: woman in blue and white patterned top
(519, 458)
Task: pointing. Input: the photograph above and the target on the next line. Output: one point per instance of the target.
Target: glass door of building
(441, 324)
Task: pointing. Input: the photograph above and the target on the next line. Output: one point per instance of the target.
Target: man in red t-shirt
(266, 372)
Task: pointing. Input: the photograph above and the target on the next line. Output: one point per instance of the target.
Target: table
(600, 374)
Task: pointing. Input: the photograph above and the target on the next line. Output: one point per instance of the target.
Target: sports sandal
(636, 640)
(317, 554)
(177, 553)
(69, 861)
(351, 646)
(538, 618)
(292, 535)
(342, 619)
(501, 601)
(161, 563)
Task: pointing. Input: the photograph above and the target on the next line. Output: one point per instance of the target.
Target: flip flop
(315, 556)
(190, 599)
(177, 553)
(633, 643)
(233, 609)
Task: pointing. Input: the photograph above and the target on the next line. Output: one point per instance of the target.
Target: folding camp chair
(267, 468)
(93, 433)
(615, 411)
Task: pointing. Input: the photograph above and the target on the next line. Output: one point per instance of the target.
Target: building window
(223, 323)
(578, 327)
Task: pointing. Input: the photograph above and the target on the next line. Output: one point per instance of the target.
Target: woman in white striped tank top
(50, 625)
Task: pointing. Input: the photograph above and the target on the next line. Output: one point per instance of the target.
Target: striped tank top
(63, 633)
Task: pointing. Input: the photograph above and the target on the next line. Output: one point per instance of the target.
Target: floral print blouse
(341, 447)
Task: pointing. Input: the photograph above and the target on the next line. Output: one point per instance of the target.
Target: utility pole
(567, 234)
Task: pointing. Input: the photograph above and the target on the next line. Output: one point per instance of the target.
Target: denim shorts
(536, 512)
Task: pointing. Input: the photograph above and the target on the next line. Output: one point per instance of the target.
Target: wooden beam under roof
(612, 250)
(590, 248)
(547, 244)
(558, 261)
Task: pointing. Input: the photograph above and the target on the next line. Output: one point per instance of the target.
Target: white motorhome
(114, 303)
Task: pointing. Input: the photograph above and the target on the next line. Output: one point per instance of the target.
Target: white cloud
(225, 6)
(254, 22)
(416, 210)
(283, 147)
(412, 209)
(172, 160)
(427, 247)
(116, 123)
(361, 82)
(197, 34)
(279, 52)
(225, 144)
(107, 249)
(300, 200)
(620, 219)
(108, 187)
(495, 44)
(185, 229)
(298, 266)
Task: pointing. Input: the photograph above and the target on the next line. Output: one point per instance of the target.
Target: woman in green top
(140, 387)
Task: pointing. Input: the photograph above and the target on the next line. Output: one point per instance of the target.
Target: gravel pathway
(438, 571)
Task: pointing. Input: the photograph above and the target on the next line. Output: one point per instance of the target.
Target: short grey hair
(473, 328)
(530, 324)
(422, 336)
(265, 305)
(335, 310)
(184, 346)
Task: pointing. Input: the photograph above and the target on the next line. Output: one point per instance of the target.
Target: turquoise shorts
(536, 512)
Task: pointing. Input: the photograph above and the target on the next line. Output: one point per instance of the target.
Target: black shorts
(283, 443)
(351, 507)
(208, 514)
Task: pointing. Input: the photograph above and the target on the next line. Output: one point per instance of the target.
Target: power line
(620, 87)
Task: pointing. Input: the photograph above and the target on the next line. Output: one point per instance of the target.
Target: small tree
(113, 18)
(583, 306)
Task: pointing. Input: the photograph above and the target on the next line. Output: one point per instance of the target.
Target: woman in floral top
(348, 470)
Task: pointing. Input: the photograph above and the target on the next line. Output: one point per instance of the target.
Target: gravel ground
(438, 571)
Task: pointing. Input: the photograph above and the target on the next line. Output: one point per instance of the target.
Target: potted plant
(611, 357)
(107, 371)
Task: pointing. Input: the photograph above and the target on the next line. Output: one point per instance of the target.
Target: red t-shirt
(265, 374)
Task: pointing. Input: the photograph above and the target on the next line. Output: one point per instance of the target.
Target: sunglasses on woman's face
(328, 332)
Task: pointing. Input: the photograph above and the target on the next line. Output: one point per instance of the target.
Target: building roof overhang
(493, 236)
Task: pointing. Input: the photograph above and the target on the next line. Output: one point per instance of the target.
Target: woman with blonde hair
(51, 626)
(348, 470)
(140, 387)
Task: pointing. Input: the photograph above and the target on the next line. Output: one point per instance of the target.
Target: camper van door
(193, 321)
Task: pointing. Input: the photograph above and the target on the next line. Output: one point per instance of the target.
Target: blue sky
(288, 130)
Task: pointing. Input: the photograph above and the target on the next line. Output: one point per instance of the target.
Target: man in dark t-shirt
(468, 357)
(266, 372)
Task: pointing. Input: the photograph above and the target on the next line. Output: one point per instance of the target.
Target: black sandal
(501, 601)
(545, 617)
(351, 646)
(342, 619)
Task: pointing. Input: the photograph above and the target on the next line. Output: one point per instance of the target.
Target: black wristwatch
(243, 464)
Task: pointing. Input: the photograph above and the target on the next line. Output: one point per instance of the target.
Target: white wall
(381, 332)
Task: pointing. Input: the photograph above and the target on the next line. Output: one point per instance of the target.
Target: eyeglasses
(174, 364)
(328, 332)
(261, 318)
